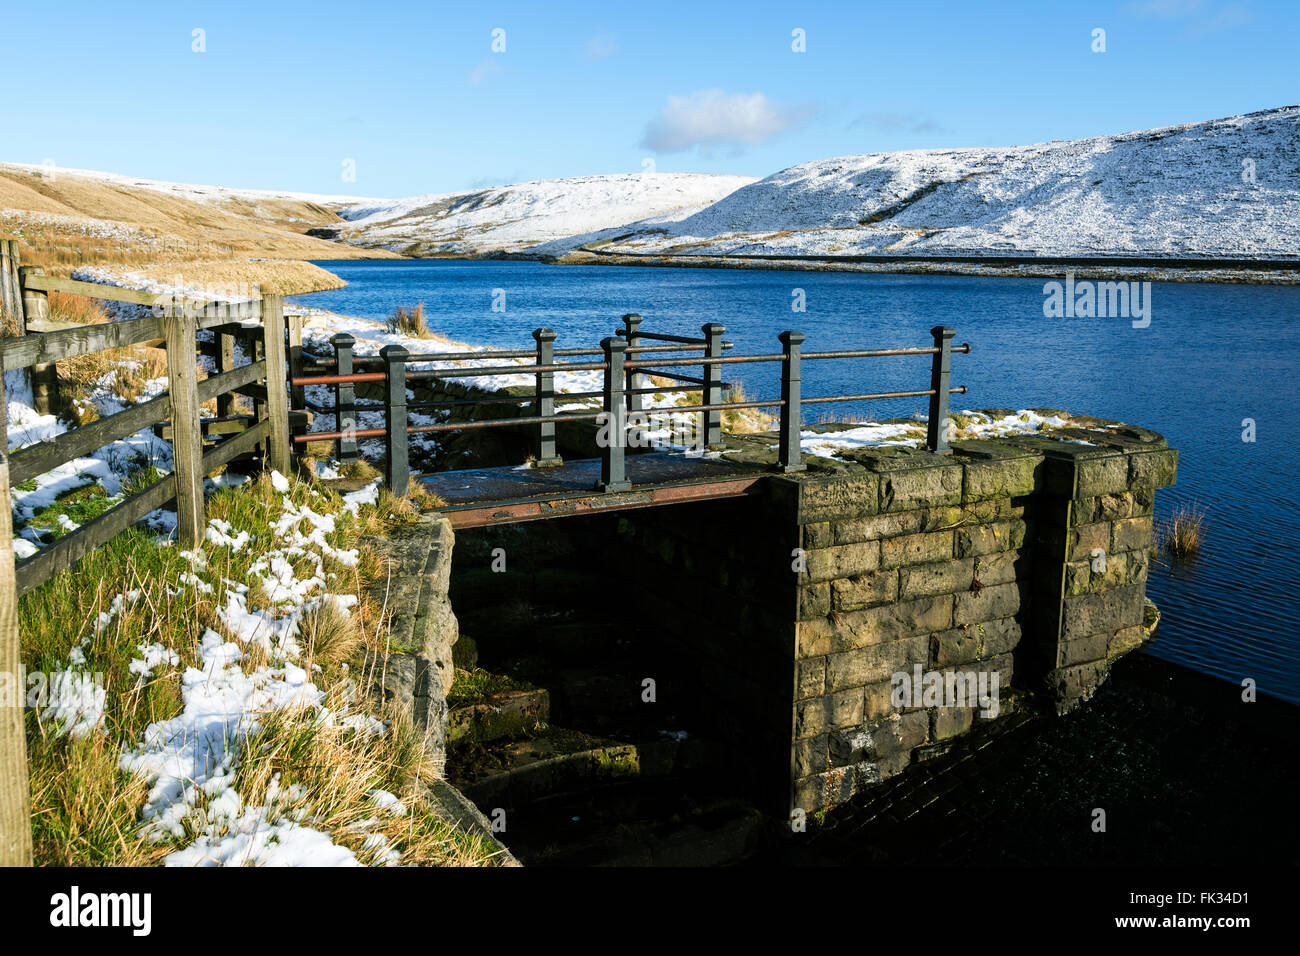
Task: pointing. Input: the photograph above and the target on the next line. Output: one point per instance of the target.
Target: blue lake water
(1212, 356)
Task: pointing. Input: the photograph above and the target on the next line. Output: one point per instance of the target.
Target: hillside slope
(1178, 191)
(517, 217)
(68, 217)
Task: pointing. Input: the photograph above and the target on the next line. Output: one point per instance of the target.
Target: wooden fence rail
(258, 325)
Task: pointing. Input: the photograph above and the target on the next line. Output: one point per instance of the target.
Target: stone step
(505, 714)
(557, 761)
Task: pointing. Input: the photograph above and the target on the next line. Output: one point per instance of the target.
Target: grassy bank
(274, 601)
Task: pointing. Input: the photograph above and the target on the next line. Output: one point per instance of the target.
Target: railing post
(345, 398)
(613, 473)
(711, 419)
(791, 415)
(397, 473)
(35, 304)
(635, 380)
(940, 383)
(187, 429)
(277, 398)
(544, 400)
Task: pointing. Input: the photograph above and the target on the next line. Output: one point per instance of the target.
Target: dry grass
(1183, 533)
(86, 811)
(66, 221)
(245, 278)
(330, 634)
(410, 322)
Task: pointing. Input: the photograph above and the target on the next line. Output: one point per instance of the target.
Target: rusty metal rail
(625, 383)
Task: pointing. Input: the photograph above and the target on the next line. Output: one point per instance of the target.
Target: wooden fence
(200, 446)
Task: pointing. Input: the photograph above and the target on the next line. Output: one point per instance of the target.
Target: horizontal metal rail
(822, 400)
(649, 364)
(877, 353)
(627, 365)
(496, 354)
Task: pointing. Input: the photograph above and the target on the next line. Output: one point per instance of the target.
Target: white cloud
(709, 118)
(603, 44)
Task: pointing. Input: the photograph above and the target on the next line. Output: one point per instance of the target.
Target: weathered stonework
(1024, 558)
(415, 677)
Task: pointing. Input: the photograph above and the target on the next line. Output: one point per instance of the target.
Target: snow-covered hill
(1228, 187)
(517, 217)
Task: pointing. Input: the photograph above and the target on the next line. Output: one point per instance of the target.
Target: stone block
(916, 549)
(986, 604)
(1104, 611)
(810, 678)
(842, 561)
(864, 590)
(841, 495)
(1132, 534)
(974, 540)
(1154, 469)
(1001, 567)
(1087, 538)
(1101, 476)
(921, 487)
(1001, 478)
(1078, 650)
(875, 663)
(976, 643)
(942, 577)
(821, 714)
(890, 622)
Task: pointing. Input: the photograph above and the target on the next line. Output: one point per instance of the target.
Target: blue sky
(415, 97)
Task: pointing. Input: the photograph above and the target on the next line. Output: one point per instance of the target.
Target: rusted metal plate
(538, 509)
(572, 478)
(483, 496)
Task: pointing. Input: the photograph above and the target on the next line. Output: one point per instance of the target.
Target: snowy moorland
(1227, 187)
(517, 217)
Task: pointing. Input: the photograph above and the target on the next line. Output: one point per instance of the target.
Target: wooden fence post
(15, 795)
(187, 429)
(10, 299)
(45, 376)
(277, 399)
(225, 341)
(297, 394)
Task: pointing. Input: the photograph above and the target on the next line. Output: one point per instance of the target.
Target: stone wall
(1023, 558)
(416, 674)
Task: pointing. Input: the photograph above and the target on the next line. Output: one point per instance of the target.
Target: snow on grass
(190, 759)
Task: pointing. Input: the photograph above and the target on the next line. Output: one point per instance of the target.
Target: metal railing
(627, 364)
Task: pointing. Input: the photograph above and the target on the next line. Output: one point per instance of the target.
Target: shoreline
(1236, 271)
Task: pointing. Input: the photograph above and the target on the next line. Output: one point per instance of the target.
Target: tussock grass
(86, 811)
(1183, 533)
(410, 322)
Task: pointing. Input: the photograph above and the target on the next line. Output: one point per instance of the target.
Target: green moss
(477, 685)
